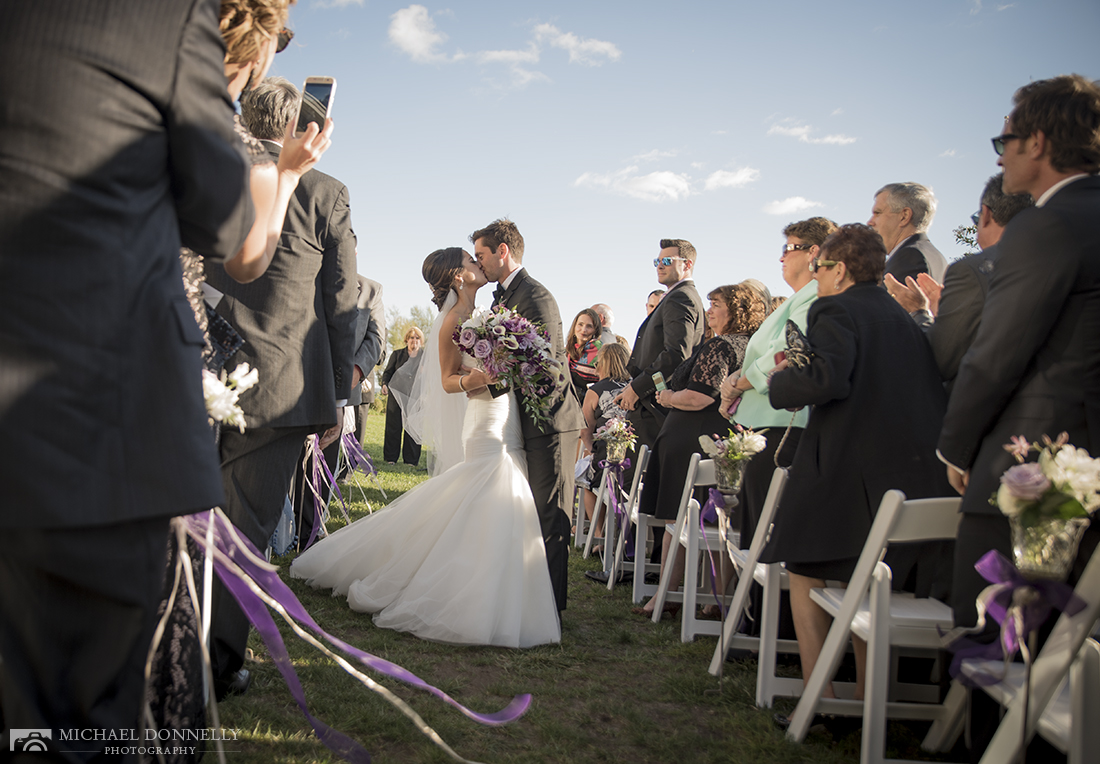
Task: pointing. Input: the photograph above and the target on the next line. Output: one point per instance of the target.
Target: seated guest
(395, 425)
(598, 407)
(581, 347)
(877, 404)
(692, 401)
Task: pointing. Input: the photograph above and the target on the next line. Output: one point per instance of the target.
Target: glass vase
(1046, 549)
(728, 474)
(616, 451)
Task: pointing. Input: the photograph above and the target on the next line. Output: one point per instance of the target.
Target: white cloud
(836, 112)
(790, 205)
(698, 165)
(512, 57)
(661, 186)
(336, 3)
(1005, 7)
(948, 153)
(802, 133)
(653, 156)
(975, 7)
(719, 132)
(413, 31)
(582, 50)
(727, 179)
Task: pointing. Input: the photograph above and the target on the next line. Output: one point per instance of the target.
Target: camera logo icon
(31, 740)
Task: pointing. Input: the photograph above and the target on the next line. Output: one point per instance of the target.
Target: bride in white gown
(459, 558)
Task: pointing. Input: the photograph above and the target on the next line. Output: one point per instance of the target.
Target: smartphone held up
(317, 97)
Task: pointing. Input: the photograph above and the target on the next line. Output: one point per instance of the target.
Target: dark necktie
(498, 294)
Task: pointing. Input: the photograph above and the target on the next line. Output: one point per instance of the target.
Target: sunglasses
(285, 37)
(977, 216)
(666, 261)
(1000, 140)
(817, 263)
(795, 248)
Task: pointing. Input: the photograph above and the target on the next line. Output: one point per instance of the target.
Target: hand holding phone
(659, 381)
(317, 99)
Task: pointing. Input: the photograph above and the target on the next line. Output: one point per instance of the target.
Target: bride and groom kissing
(479, 553)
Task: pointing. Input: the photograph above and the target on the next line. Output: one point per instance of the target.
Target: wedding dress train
(459, 558)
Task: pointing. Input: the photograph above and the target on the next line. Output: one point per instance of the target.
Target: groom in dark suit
(298, 323)
(499, 250)
(116, 147)
(1034, 368)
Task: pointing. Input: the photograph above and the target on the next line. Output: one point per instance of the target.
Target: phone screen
(315, 101)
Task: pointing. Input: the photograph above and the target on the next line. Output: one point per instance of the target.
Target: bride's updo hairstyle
(440, 269)
(247, 24)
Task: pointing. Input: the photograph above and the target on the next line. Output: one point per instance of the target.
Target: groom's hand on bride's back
(476, 380)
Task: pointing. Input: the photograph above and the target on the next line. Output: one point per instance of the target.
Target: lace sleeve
(720, 356)
(255, 150)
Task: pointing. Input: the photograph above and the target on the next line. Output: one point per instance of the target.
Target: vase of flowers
(619, 436)
(1048, 504)
(731, 455)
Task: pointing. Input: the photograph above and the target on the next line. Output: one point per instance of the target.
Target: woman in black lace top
(692, 398)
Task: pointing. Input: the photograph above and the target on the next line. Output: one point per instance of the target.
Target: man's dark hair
(269, 107)
(861, 250)
(683, 245)
(1004, 206)
(811, 231)
(1067, 110)
(502, 231)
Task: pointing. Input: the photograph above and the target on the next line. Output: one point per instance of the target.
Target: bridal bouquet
(517, 351)
(731, 454)
(1048, 503)
(222, 393)
(619, 436)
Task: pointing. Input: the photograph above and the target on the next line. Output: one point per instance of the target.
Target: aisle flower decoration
(517, 352)
(731, 454)
(1048, 503)
(619, 436)
(221, 394)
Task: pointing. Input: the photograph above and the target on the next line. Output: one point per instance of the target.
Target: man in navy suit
(901, 215)
(1034, 368)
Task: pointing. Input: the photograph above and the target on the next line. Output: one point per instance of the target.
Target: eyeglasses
(666, 260)
(285, 37)
(1000, 140)
(794, 248)
(976, 217)
(817, 263)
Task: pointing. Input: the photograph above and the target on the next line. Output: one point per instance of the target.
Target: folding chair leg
(601, 502)
(945, 730)
(769, 634)
(877, 682)
(1084, 700)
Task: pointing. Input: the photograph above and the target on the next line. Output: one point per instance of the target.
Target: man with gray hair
(607, 318)
(901, 215)
(298, 321)
(951, 313)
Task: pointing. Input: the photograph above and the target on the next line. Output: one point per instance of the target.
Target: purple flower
(1025, 481)
(528, 369)
(467, 337)
(483, 349)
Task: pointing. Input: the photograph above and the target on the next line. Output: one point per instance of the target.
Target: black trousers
(77, 614)
(550, 472)
(257, 468)
(391, 445)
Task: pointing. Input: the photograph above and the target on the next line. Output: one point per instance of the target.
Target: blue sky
(601, 127)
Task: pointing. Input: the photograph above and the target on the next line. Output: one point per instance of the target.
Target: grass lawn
(617, 689)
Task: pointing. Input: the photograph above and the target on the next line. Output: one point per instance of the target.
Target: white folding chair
(868, 609)
(1065, 685)
(767, 644)
(630, 514)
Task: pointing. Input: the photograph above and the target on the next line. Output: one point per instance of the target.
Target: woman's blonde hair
(247, 24)
(414, 331)
(611, 360)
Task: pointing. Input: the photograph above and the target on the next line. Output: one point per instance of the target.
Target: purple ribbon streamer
(614, 481)
(709, 514)
(357, 456)
(256, 611)
(1005, 581)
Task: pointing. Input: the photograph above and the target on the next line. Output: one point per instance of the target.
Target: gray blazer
(1034, 367)
(916, 255)
(298, 319)
(370, 333)
(113, 155)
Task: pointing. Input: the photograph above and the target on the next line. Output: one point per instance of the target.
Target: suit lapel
(510, 292)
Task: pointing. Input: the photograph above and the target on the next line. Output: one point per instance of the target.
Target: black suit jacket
(951, 334)
(916, 255)
(370, 333)
(116, 147)
(666, 338)
(298, 319)
(1034, 368)
(534, 302)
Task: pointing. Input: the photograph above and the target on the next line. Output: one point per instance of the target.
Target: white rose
(1010, 505)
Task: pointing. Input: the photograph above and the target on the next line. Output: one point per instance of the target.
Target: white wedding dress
(457, 559)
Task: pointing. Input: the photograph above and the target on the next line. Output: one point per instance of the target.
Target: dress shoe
(236, 683)
(672, 608)
(601, 576)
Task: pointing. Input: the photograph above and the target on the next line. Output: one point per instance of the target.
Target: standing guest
(692, 399)
(654, 298)
(298, 322)
(550, 448)
(951, 321)
(598, 408)
(607, 318)
(858, 443)
(901, 215)
(395, 430)
(372, 345)
(581, 346)
(1034, 367)
(100, 358)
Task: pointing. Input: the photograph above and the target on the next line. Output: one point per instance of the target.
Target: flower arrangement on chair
(619, 436)
(731, 455)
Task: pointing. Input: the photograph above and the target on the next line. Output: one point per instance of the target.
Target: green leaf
(1070, 509)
